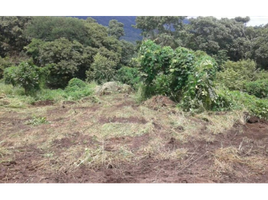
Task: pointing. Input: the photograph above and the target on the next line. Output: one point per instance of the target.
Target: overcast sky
(255, 20)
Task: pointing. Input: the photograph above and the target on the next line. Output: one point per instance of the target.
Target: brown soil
(159, 101)
(50, 153)
(43, 103)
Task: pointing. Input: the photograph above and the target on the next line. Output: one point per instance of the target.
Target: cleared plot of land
(113, 139)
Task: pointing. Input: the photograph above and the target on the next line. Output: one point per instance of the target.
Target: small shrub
(129, 76)
(75, 84)
(258, 88)
(35, 121)
(77, 89)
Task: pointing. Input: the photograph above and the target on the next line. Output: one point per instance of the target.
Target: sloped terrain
(112, 139)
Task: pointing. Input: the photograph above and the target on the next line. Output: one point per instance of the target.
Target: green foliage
(77, 89)
(76, 83)
(164, 30)
(65, 59)
(221, 57)
(49, 94)
(128, 52)
(4, 63)
(129, 76)
(199, 92)
(12, 39)
(234, 75)
(35, 121)
(10, 75)
(182, 66)
(102, 69)
(116, 29)
(258, 88)
(259, 44)
(10, 90)
(52, 28)
(33, 49)
(148, 59)
(183, 74)
(237, 100)
(256, 106)
(26, 75)
(161, 85)
(211, 35)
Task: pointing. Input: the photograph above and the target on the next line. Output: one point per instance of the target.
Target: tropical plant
(26, 75)
(259, 88)
(101, 70)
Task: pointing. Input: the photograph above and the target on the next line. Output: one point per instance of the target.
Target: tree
(128, 52)
(260, 47)
(212, 35)
(116, 29)
(242, 19)
(102, 69)
(164, 30)
(12, 38)
(66, 59)
(52, 28)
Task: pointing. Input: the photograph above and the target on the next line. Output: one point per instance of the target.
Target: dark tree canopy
(116, 29)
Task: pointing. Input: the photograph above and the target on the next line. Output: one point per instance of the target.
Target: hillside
(131, 34)
(113, 139)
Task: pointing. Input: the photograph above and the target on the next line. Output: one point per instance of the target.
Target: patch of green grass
(70, 93)
(35, 121)
(14, 97)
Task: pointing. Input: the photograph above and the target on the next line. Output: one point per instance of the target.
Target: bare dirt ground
(112, 139)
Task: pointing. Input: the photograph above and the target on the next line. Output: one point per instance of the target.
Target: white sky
(255, 20)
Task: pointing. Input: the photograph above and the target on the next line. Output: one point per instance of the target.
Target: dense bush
(26, 75)
(256, 106)
(10, 61)
(234, 75)
(258, 88)
(4, 63)
(128, 75)
(50, 28)
(76, 89)
(66, 59)
(199, 92)
(182, 74)
(237, 100)
(102, 70)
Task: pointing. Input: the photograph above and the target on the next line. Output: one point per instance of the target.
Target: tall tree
(260, 47)
(116, 29)
(12, 39)
(164, 30)
(52, 28)
(212, 35)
